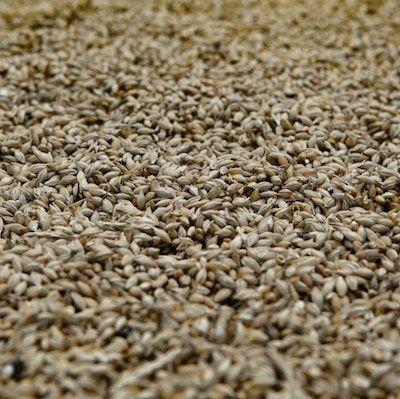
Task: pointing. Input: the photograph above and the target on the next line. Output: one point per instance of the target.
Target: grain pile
(199, 199)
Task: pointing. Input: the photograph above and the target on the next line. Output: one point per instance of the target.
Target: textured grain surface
(199, 199)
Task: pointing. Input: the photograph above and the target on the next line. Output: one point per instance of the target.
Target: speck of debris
(14, 369)
(124, 332)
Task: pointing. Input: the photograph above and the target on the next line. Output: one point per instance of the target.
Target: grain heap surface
(199, 199)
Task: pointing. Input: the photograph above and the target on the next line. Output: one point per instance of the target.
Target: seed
(42, 156)
(222, 294)
(341, 286)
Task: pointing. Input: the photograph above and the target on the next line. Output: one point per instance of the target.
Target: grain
(199, 199)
